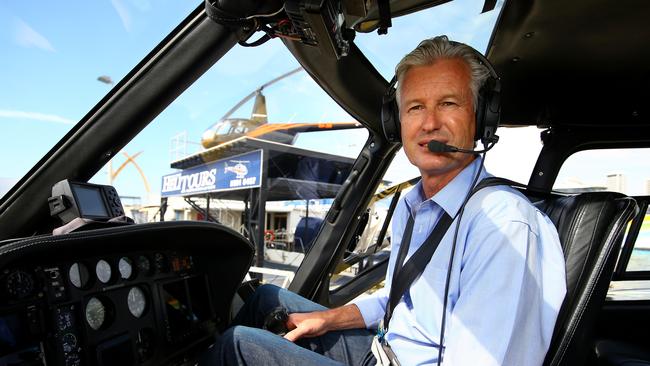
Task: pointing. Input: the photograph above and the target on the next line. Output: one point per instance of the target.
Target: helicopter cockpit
(154, 292)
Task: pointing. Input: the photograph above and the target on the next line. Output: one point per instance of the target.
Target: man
(507, 280)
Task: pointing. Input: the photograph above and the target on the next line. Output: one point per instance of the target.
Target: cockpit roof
(573, 62)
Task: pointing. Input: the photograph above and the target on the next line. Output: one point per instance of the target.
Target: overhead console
(150, 294)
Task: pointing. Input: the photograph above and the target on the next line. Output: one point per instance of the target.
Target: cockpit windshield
(224, 127)
(55, 73)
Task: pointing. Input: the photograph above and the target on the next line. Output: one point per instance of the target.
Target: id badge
(379, 353)
(383, 353)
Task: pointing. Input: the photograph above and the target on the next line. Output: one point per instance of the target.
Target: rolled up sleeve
(372, 307)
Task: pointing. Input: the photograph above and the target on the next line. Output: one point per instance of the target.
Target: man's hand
(309, 325)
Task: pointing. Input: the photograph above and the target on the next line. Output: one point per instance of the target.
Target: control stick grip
(276, 321)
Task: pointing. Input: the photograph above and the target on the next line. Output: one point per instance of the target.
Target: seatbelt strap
(496, 181)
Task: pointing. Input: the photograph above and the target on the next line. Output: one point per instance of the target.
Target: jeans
(246, 344)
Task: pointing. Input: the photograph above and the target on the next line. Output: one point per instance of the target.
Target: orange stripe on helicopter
(270, 127)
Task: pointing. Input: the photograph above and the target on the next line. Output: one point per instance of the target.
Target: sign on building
(237, 172)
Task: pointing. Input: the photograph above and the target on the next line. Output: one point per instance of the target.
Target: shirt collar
(451, 196)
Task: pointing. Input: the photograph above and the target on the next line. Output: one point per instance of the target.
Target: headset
(488, 106)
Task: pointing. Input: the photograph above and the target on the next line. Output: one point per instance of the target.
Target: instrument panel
(139, 307)
(93, 301)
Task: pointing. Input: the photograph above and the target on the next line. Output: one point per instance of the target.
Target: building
(617, 182)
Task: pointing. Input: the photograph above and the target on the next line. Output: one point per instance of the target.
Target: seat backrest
(591, 227)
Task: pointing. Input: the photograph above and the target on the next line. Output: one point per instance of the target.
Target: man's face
(436, 104)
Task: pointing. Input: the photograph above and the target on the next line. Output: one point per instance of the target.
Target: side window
(626, 171)
(640, 257)
(619, 170)
(371, 245)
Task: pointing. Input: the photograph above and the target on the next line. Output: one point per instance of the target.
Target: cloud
(36, 116)
(122, 11)
(26, 36)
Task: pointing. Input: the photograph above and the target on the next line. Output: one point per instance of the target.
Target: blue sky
(53, 53)
(52, 58)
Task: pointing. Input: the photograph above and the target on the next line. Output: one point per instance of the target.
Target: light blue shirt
(507, 280)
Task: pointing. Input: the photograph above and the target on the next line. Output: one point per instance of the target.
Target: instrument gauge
(79, 275)
(144, 265)
(161, 263)
(137, 302)
(20, 284)
(103, 271)
(95, 313)
(125, 265)
(69, 342)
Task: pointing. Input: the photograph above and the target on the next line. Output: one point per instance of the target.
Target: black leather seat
(614, 353)
(591, 227)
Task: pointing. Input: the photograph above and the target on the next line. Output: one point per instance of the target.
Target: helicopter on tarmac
(257, 126)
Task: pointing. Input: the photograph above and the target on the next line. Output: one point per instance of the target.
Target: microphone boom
(440, 147)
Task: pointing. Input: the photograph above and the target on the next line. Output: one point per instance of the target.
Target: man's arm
(320, 322)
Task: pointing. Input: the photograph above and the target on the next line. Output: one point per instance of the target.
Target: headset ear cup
(488, 111)
(492, 114)
(396, 121)
(480, 116)
(491, 111)
(390, 128)
(390, 114)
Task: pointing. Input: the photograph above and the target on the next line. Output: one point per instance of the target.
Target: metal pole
(307, 216)
(207, 207)
(163, 208)
(261, 210)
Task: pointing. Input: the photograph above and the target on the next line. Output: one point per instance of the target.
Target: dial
(125, 265)
(69, 342)
(79, 275)
(136, 301)
(20, 284)
(65, 318)
(95, 313)
(103, 271)
(72, 359)
(161, 263)
(144, 265)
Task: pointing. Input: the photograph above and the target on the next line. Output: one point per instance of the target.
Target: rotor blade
(249, 96)
(280, 77)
